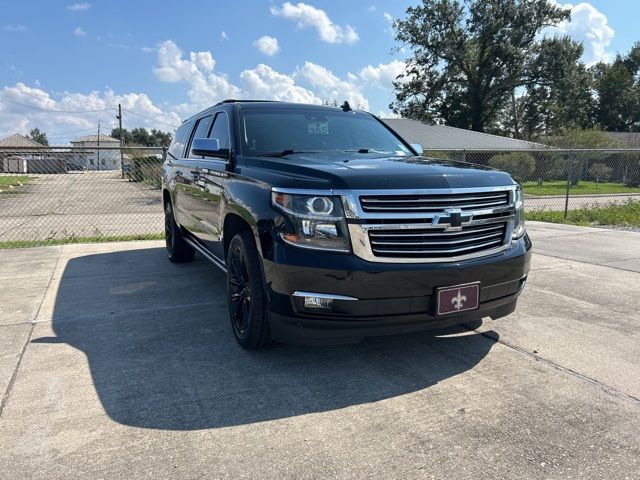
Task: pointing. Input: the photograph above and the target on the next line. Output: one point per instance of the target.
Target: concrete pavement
(118, 364)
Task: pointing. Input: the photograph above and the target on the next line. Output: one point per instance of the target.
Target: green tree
(520, 165)
(583, 138)
(160, 139)
(600, 172)
(117, 133)
(468, 57)
(143, 138)
(38, 136)
(590, 138)
(618, 93)
(566, 100)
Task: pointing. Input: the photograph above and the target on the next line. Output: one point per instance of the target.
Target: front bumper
(392, 298)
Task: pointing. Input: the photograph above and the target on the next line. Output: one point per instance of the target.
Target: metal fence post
(164, 154)
(464, 155)
(569, 172)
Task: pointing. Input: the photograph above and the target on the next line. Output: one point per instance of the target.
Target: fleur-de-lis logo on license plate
(458, 300)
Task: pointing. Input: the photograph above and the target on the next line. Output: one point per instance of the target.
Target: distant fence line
(69, 193)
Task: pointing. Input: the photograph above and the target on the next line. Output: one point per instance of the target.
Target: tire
(178, 250)
(245, 293)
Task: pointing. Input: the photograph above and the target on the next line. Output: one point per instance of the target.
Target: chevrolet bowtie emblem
(452, 219)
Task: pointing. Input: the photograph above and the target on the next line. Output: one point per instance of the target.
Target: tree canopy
(617, 91)
(490, 66)
(468, 57)
(141, 137)
(38, 136)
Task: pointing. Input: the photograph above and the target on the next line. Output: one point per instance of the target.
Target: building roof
(629, 139)
(94, 138)
(440, 137)
(17, 140)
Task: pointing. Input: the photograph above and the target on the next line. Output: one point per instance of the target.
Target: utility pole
(98, 155)
(119, 117)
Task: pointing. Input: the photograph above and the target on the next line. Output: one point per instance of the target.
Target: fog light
(322, 303)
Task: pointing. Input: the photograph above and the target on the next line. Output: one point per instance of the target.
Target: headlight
(318, 221)
(518, 229)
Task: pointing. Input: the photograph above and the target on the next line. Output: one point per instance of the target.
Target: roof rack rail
(234, 100)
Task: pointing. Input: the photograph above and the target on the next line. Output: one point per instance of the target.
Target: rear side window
(202, 128)
(220, 130)
(176, 149)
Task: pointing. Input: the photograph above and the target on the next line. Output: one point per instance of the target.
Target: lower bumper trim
(331, 331)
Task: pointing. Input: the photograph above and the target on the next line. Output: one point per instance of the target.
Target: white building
(96, 158)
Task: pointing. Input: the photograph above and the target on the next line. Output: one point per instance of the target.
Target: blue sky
(167, 62)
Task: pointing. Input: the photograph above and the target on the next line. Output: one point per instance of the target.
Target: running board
(206, 253)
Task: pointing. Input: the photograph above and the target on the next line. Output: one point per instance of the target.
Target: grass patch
(626, 214)
(583, 188)
(9, 182)
(74, 239)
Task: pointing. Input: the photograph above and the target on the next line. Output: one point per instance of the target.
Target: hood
(371, 171)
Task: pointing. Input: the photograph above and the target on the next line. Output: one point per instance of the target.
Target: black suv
(331, 227)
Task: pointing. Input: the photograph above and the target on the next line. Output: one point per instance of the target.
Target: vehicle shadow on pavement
(159, 345)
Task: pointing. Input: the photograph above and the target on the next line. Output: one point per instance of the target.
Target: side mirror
(208, 147)
(418, 148)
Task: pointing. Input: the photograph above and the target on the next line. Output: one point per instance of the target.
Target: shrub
(633, 175)
(520, 165)
(550, 166)
(600, 172)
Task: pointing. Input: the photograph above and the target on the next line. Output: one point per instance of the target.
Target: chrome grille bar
(437, 202)
(439, 225)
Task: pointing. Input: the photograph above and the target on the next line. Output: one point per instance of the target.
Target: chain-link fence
(70, 194)
(563, 180)
(73, 194)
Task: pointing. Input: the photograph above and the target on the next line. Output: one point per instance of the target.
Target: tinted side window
(202, 128)
(176, 149)
(220, 130)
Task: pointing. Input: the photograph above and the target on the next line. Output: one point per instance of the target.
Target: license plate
(459, 298)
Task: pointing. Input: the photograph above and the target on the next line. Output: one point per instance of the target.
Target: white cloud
(383, 75)
(267, 45)
(206, 86)
(15, 28)
(309, 16)
(329, 87)
(590, 26)
(223, 35)
(79, 32)
(263, 82)
(79, 7)
(388, 18)
(18, 119)
(371, 8)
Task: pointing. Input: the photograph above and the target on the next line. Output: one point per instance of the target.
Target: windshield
(273, 131)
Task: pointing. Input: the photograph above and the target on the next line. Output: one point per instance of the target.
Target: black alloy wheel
(245, 290)
(178, 250)
(240, 291)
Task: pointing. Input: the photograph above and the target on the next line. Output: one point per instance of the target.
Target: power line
(149, 118)
(55, 111)
(67, 133)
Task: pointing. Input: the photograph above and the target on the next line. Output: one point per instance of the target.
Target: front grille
(430, 203)
(435, 243)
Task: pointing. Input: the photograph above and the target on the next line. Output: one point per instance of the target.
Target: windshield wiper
(284, 153)
(372, 150)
